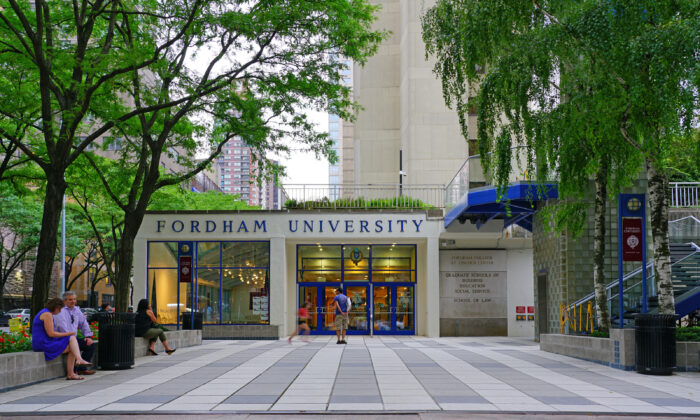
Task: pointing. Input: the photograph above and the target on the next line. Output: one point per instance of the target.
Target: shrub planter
(618, 351)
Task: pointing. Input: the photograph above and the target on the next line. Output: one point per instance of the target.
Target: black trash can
(115, 348)
(187, 320)
(655, 343)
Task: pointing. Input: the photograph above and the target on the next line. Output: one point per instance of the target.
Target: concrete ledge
(241, 332)
(28, 367)
(688, 356)
(616, 351)
(176, 339)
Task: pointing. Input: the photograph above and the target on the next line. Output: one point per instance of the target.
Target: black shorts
(301, 322)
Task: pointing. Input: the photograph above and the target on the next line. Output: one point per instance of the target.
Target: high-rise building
(237, 175)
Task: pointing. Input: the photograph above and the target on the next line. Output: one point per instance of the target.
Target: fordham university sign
(288, 225)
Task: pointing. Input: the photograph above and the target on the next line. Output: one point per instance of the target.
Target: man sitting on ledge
(70, 319)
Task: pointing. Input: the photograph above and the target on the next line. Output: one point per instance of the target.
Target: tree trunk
(124, 260)
(55, 187)
(658, 211)
(601, 297)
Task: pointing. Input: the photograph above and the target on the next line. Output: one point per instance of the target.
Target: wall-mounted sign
(519, 309)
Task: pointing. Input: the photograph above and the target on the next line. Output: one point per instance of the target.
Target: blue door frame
(321, 308)
(394, 309)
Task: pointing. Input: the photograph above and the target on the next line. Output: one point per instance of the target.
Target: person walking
(303, 315)
(342, 320)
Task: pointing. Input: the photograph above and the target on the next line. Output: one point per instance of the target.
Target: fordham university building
(247, 273)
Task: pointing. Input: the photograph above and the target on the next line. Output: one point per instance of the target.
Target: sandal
(152, 353)
(74, 378)
(86, 364)
(171, 351)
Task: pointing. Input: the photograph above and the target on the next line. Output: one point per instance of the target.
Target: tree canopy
(580, 84)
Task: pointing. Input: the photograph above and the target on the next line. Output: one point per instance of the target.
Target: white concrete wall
(521, 291)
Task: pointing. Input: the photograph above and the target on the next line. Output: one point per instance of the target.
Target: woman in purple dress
(53, 343)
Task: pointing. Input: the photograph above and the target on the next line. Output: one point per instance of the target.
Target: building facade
(248, 272)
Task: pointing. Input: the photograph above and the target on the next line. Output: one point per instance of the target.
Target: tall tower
(403, 111)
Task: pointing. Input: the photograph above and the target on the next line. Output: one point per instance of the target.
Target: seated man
(70, 319)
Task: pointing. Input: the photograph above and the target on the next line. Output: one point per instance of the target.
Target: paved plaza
(369, 374)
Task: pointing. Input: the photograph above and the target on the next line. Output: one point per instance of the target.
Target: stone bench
(28, 367)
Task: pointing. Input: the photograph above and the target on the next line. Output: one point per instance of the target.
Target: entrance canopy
(516, 206)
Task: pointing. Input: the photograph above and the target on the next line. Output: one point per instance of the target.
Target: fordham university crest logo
(356, 256)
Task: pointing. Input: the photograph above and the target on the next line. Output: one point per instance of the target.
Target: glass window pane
(398, 257)
(356, 257)
(382, 308)
(319, 257)
(358, 310)
(208, 254)
(319, 276)
(245, 296)
(404, 308)
(208, 295)
(162, 254)
(357, 276)
(245, 254)
(393, 276)
(162, 295)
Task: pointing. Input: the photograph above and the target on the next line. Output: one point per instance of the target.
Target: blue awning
(516, 206)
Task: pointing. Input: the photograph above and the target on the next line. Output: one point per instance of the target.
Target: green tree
(283, 63)
(632, 66)
(153, 73)
(19, 231)
(56, 59)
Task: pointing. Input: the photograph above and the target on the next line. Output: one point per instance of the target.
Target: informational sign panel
(632, 239)
(473, 291)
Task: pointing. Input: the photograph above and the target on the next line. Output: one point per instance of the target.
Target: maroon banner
(632, 240)
(185, 269)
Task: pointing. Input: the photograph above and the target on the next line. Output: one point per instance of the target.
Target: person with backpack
(342, 310)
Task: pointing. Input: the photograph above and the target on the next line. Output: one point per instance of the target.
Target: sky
(304, 168)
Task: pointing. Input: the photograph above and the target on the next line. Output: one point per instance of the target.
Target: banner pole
(619, 261)
(644, 254)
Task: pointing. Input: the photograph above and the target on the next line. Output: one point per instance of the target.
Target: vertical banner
(632, 239)
(185, 262)
(632, 244)
(185, 252)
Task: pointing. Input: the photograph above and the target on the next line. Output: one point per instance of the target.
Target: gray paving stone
(460, 399)
(672, 402)
(154, 399)
(358, 399)
(45, 399)
(251, 399)
(566, 400)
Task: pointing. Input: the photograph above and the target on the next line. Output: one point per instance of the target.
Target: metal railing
(684, 194)
(471, 175)
(363, 196)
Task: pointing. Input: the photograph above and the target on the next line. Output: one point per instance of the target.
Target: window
(231, 286)
(356, 263)
(113, 143)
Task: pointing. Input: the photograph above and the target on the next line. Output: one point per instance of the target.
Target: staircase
(685, 272)
(686, 277)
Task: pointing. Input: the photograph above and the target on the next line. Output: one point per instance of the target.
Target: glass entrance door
(322, 312)
(393, 309)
